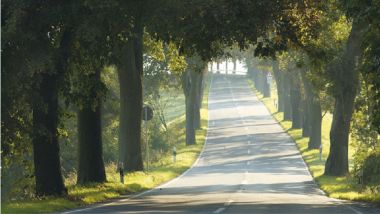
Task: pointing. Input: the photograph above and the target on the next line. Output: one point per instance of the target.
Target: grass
(160, 172)
(175, 104)
(335, 187)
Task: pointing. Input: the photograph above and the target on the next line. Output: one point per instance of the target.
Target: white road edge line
(355, 210)
(304, 163)
(162, 185)
(220, 210)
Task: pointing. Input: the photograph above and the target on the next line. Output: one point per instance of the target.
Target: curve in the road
(249, 165)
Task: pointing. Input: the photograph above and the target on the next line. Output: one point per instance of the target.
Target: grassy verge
(163, 171)
(335, 187)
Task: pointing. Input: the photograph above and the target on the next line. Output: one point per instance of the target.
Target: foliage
(365, 136)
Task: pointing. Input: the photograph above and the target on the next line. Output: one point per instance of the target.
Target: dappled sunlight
(336, 187)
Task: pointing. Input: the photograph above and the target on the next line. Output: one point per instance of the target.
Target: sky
(240, 67)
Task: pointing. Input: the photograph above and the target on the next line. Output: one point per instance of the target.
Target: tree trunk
(260, 82)
(315, 113)
(249, 74)
(226, 66)
(90, 157)
(47, 166)
(287, 100)
(296, 98)
(346, 83)
(254, 75)
(190, 96)
(217, 67)
(316, 123)
(280, 86)
(266, 86)
(130, 79)
(234, 66)
(306, 126)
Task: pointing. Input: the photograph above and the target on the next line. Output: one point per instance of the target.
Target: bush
(371, 169)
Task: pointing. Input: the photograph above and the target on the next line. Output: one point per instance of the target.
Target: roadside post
(174, 154)
(120, 169)
(147, 115)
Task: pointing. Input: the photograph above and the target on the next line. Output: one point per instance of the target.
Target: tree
(90, 158)
(85, 89)
(192, 85)
(295, 94)
(45, 51)
(313, 107)
(346, 83)
(130, 74)
(278, 75)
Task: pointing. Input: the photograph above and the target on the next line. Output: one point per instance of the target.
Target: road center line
(228, 203)
(220, 210)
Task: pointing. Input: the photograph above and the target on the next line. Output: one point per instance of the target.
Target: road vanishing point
(248, 165)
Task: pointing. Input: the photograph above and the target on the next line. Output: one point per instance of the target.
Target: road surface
(249, 165)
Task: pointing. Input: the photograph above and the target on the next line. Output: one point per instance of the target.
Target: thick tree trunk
(315, 113)
(346, 84)
(90, 157)
(296, 98)
(130, 79)
(287, 100)
(190, 97)
(47, 166)
(280, 86)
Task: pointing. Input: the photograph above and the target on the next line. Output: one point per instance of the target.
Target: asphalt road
(249, 165)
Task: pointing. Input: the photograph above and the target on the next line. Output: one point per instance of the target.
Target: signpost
(147, 114)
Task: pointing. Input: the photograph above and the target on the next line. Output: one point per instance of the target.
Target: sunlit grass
(175, 104)
(336, 187)
(159, 173)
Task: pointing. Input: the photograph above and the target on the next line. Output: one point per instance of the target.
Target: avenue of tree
(54, 52)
